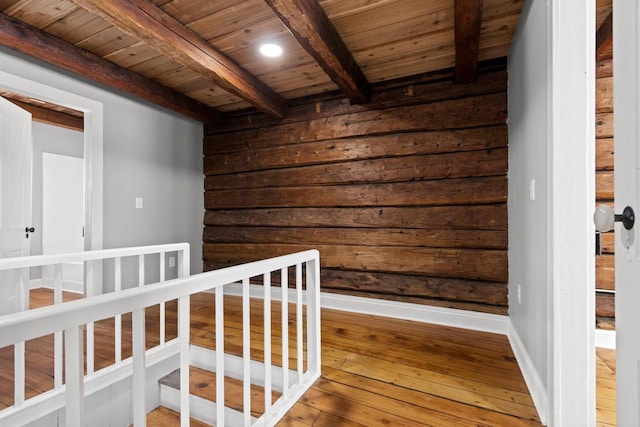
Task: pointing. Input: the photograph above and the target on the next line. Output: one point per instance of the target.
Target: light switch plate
(532, 189)
(138, 202)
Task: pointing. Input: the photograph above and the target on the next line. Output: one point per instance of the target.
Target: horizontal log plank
(396, 169)
(398, 286)
(309, 153)
(486, 83)
(604, 125)
(423, 193)
(605, 304)
(607, 242)
(472, 112)
(416, 286)
(488, 217)
(604, 185)
(604, 95)
(489, 265)
(481, 239)
(425, 88)
(604, 154)
(604, 68)
(605, 272)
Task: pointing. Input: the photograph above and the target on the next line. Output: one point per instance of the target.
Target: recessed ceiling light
(271, 50)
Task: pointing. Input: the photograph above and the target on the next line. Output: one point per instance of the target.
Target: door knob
(28, 230)
(604, 218)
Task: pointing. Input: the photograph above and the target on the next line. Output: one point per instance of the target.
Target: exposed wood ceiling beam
(604, 39)
(468, 23)
(310, 25)
(38, 44)
(150, 24)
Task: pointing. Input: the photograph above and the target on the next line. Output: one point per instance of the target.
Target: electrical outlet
(172, 261)
(519, 293)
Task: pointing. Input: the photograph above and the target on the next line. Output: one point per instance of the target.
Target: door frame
(571, 165)
(93, 147)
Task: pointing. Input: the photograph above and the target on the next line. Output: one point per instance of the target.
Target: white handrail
(42, 260)
(71, 316)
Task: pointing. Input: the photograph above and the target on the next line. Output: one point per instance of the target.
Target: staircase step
(165, 417)
(202, 383)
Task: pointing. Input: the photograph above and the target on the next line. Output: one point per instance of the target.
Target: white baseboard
(484, 322)
(605, 339)
(67, 285)
(531, 376)
(493, 323)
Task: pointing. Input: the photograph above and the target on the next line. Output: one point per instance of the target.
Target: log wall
(405, 197)
(605, 263)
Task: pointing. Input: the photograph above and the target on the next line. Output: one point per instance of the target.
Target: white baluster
(219, 305)
(162, 304)
(183, 333)
(246, 352)
(313, 316)
(57, 337)
(267, 345)
(141, 270)
(19, 373)
(299, 321)
(90, 292)
(118, 317)
(284, 286)
(138, 388)
(74, 373)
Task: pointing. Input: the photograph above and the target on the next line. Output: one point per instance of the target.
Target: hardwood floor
(375, 371)
(605, 387)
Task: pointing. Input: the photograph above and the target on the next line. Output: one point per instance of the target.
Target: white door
(63, 215)
(626, 57)
(15, 197)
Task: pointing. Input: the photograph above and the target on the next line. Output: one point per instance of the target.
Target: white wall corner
(531, 376)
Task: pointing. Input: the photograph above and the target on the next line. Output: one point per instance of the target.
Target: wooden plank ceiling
(201, 58)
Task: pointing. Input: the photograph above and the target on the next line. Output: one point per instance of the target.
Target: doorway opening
(79, 113)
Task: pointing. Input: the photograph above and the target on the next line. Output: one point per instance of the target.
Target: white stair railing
(93, 285)
(70, 318)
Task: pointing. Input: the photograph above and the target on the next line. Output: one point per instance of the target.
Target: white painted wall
(551, 244)
(149, 152)
(529, 230)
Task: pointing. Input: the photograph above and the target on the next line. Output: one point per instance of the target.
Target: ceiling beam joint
(310, 25)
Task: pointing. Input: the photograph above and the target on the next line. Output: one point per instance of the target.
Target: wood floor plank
(428, 401)
(355, 410)
(606, 387)
(167, 418)
(463, 391)
(304, 414)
